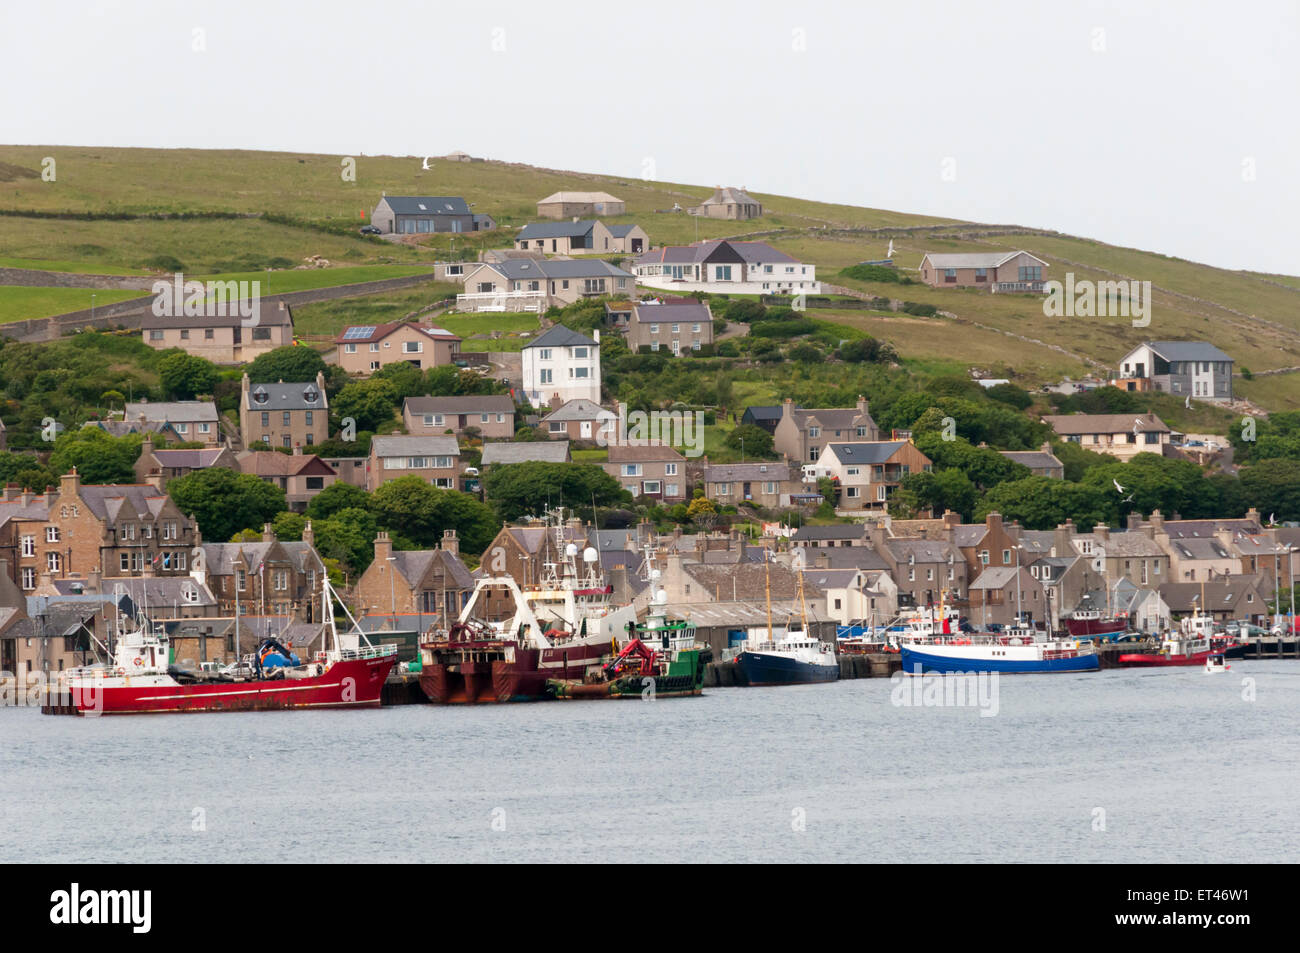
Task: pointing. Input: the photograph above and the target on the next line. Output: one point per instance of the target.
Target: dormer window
(310, 395)
(260, 396)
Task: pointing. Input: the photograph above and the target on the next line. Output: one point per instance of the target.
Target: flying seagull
(1272, 519)
(1188, 402)
(890, 253)
(426, 164)
(1137, 424)
(1117, 486)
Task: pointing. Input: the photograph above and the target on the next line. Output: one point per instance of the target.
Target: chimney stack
(268, 534)
(450, 544)
(1102, 532)
(309, 535)
(383, 548)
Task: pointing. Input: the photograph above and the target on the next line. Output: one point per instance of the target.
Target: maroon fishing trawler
(1094, 624)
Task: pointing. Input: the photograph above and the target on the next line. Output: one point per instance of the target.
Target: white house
(534, 284)
(561, 363)
(725, 266)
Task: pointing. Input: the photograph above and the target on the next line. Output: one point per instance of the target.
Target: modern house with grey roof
(560, 365)
(1195, 369)
(284, 415)
(535, 284)
(867, 473)
(423, 214)
(582, 237)
(725, 266)
(435, 460)
(998, 271)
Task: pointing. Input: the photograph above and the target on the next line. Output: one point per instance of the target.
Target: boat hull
(760, 668)
(1102, 629)
(351, 683)
(1159, 660)
(523, 678)
(918, 661)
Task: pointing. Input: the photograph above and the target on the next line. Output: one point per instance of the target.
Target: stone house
(284, 415)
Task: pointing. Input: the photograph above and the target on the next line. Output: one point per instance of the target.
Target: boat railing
(382, 650)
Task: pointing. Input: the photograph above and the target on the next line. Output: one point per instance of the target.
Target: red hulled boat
(140, 680)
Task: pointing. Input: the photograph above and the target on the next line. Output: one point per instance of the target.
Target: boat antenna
(767, 588)
(803, 607)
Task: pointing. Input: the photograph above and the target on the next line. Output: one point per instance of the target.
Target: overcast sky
(1172, 127)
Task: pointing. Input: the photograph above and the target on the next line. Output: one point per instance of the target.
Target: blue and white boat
(1016, 651)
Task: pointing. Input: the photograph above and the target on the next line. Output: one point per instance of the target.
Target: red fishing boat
(140, 678)
(1194, 644)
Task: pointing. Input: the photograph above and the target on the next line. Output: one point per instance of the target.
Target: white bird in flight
(1117, 486)
(426, 164)
(1188, 402)
(890, 253)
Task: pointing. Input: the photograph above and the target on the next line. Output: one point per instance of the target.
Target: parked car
(370, 230)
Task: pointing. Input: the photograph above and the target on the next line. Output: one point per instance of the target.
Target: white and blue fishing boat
(1016, 651)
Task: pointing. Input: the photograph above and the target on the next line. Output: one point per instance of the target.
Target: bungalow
(424, 214)
(580, 419)
(435, 459)
(868, 472)
(582, 237)
(1120, 435)
(1042, 462)
(531, 451)
(222, 339)
(1193, 368)
(580, 205)
(677, 326)
(656, 471)
(364, 349)
(492, 415)
(729, 203)
(724, 266)
(997, 271)
(534, 284)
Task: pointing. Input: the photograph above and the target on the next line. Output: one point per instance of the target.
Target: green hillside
(313, 211)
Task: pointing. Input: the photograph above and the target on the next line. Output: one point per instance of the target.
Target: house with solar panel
(284, 415)
(532, 284)
(590, 237)
(364, 349)
(426, 214)
(867, 473)
(1188, 368)
(723, 267)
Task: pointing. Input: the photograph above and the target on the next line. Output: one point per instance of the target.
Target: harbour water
(1115, 766)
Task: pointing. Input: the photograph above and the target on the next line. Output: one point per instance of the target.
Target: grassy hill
(1254, 317)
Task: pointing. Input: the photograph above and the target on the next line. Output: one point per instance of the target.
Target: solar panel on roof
(360, 332)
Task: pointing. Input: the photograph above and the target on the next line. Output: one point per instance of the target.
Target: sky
(1171, 127)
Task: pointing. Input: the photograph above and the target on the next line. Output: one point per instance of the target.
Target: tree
(1273, 488)
(519, 489)
(1041, 502)
(348, 536)
(98, 456)
(223, 502)
(288, 363)
(26, 471)
(702, 511)
(370, 403)
(337, 496)
(406, 378)
(1009, 393)
(756, 441)
(184, 376)
(1153, 482)
(940, 490)
(421, 512)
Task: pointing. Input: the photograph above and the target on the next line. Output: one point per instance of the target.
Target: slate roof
(195, 459)
(1079, 424)
(648, 454)
(105, 500)
(556, 229)
(1034, 459)
(579, 409)
(560, 336)
(835, 531)
(427, 204)
(273, 463)
(925, 550)
(281, 396)
(753, 472)
(406, 445)
(377, 332)
(528, 451)
(151, 592)
(178, 411)
(696, 312)
(413, 564)
(468, 404)
(869, 452)
(524, 269)
(846, 557)
(728, 195)
(1188, 351)
(754, 253)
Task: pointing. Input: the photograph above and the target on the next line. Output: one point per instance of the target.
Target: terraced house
(284, 415)
(427, 581)
(266, 577)
(112, 529)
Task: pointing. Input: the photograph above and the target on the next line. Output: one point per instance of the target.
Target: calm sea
(1121, 765)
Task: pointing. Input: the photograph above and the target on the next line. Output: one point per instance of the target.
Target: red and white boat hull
(349, 683)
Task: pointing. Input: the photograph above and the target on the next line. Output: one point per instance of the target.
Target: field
(19, 303)
(1254, 317)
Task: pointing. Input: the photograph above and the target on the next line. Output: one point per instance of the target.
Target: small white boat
(1216, 663)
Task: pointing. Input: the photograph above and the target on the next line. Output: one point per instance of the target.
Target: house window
(950, 275)
(209, 334)
(545, 376)
(51, 534)
(814, 432)
(722, 273)
(29, 545)
(981, 274)
(282, 580)
(1031, 273)
(413, 347)
(545, 355)
(124, 561)
(650, 486)
(349, 349)
(1006, 557)
(631, 469)
(29, 578)
(375, 347)
(580, 353)
(670, 489)
(579, 373)
(670, 469)
(53, 561)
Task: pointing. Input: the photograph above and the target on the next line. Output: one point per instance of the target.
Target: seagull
(1137, 424)
(426, 164)
(1272, 519)
(1129, 498)
(1117, 486)
(1188, 402)
(890, 253)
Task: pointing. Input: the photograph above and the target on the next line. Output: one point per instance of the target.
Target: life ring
(137, 662)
